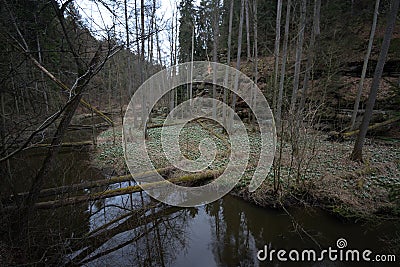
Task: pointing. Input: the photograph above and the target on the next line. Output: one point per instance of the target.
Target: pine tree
(186, 24)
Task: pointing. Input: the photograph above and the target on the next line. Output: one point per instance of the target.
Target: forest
(204, 133)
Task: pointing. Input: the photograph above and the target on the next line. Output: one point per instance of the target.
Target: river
(228, 232)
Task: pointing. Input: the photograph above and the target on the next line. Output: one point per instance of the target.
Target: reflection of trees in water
(46, 234)
(148, 236)
(239, 230)
(233, 243)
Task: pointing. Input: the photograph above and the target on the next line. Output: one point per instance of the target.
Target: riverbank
(320, 175)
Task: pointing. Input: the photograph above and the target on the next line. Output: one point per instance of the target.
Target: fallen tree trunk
(372, 127)
(93, 184)
(125, 190)
(64, 144)
(211, 131)
(338, 136)
(98, 112)
(73, 127)
(362, 111)
(152, 126)
(121, 191)
(67, 90)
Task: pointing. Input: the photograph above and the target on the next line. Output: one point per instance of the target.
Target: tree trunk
(151, 32)
(128, 59)
(142, 31)
(371, 127)
(82, 81)
(190, 178)
(357, 151)
(74, 188)
(215, 55)
(143, 65)
(85, 74)
(248, 31)
(299, 53)
(283, 67)
(228, 61)
(159, 61)
(191, 68)
(364, 70)
(41, 74)
(172, 62)
(254, 101)
(310, 54)
(239, 51)
(53, 150)
(276, 51)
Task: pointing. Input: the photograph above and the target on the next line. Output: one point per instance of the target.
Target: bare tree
(228, 58)
(239, 51)
(254, 101)
(248, 31)
(152, 31)
(283, 67)
(357, 151)
(215, 26)
(310, 53)
(276, 50)
(128, 59)
(86, 71)
(364, 70)
(172, 45)
(299, 53)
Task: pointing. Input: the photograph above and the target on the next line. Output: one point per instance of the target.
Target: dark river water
(228, 232)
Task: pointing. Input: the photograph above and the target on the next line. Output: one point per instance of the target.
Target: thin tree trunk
(84, 76)
(42, 75)
(158, 47)
(176, 52)
(53, 150)
(191, 68)
(172, 62)
(66, 89)
(239, 51)
(139, 70)
(153, 15)
(8, 174)
(357, 151)
(248, 31)
(276, 51)
(142, 30)
(310, 54)
(364, 70)
(254, 100)
(82, 81)
(176, 40)
(283, 67)
(16, 93)
(128, 60)
(299, 53)
(228, 61)
(142, 62)
(215, 55)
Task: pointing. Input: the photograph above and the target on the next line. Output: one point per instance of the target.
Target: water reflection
(133, 230)
(125, 235)
(228, 232)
